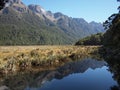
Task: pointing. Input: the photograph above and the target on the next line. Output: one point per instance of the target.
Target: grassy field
(13, 58)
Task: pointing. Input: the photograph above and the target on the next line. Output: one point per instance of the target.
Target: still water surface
(87, 74)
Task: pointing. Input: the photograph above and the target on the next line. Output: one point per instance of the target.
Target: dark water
(98, 79)
(87, 74)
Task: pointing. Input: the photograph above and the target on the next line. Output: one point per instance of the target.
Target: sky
(90, 10)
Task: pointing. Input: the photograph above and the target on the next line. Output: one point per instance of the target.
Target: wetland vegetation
(24, 57)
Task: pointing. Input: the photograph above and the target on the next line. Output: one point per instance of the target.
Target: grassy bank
(13, 58)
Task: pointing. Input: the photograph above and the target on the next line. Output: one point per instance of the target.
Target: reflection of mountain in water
(82, 66)
(73, 67)
(36, 79)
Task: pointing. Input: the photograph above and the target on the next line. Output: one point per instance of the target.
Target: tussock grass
(13, 58)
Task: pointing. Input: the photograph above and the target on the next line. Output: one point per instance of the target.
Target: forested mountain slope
(33, 25)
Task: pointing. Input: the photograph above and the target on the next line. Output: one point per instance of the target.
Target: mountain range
(33, 25)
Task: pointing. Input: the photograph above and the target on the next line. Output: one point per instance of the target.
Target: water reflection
(89, 80)
(87, 74)
(114, 67)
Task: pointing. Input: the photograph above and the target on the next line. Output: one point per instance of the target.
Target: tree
(119, 6)
(95, 39)
(112, 25)
(108, 23)
(2, 3)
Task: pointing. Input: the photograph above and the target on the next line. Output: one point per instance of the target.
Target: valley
(47, 50)
(33, 25)
(15, 58)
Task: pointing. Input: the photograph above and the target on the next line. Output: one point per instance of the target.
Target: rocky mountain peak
(58, 14)
(36, 8)
(15, 1)
(16, 5)
(50, 13)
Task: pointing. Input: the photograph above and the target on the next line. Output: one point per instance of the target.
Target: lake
(86, 74)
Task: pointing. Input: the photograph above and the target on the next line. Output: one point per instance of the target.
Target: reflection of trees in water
(114, 67)
(115, 88)
(112, 56)
(37, 79)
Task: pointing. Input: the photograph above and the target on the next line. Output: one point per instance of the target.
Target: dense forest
(95, 39)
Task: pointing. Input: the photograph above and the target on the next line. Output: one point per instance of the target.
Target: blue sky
(90, 10)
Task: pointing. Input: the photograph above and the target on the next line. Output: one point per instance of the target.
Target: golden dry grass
(23, 56)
